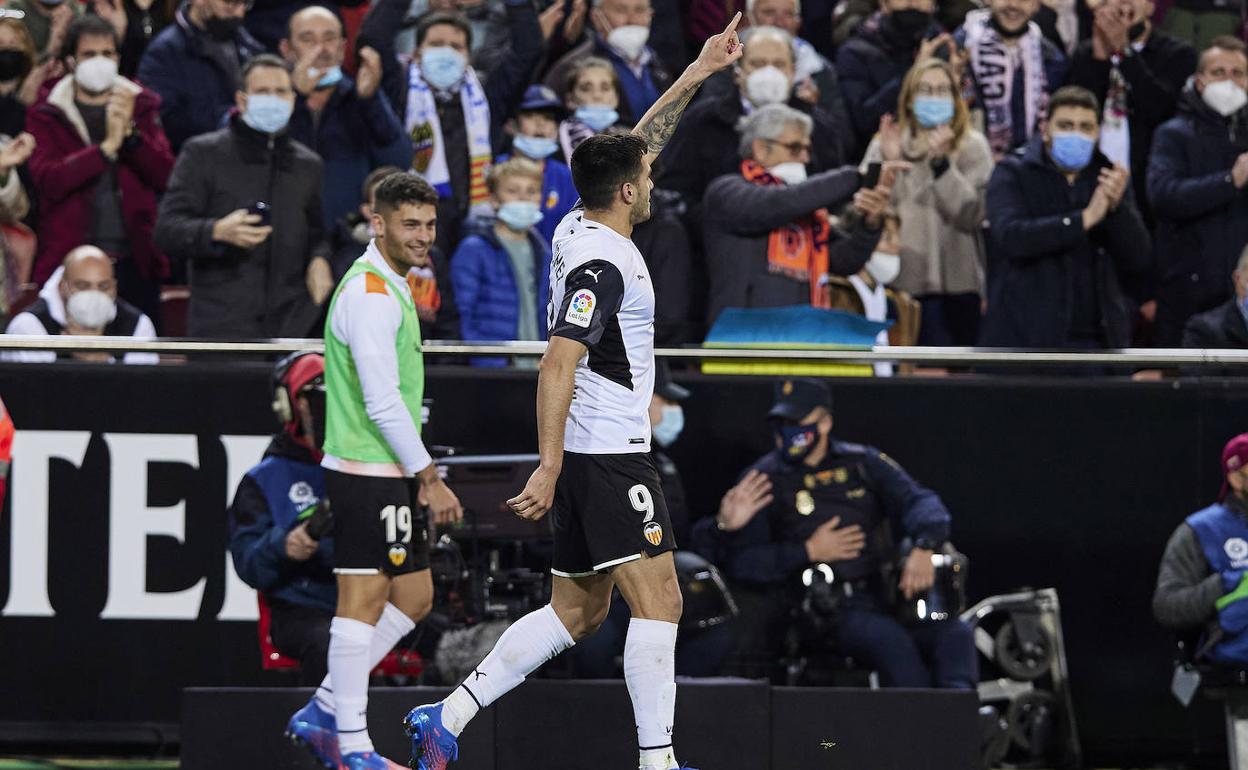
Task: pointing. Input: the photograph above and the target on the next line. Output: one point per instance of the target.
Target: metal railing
(924, 356)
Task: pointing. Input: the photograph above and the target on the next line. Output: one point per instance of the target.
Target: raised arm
(718, 53)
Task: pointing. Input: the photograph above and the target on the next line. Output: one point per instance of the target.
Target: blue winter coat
(1202, 218)
(195, 91)
(1038, 242)
(353, 137)
(486, 290)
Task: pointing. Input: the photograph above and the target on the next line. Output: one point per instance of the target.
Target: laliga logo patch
(1236, 548)
(653, 533)
(398, 555)
(581, 308)
(301, 494)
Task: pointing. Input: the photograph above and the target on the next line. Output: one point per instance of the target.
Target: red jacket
(65, 166)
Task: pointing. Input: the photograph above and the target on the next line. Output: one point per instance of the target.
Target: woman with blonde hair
(940, 202)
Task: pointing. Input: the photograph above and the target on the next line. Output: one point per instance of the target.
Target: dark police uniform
(862, 486)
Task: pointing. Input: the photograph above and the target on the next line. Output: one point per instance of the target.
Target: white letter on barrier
(28, 550)
(133, 521)
(241, 454)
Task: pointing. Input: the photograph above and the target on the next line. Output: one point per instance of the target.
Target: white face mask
(789, 173)
(767, 85)
(96, 75)
(1225, 97)
(630, 40)
(884, 267)
(91, 309)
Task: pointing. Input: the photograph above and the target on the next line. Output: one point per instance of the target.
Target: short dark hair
(1075, 96)
(374, 178)
(434, 18)
(259, 61)
(87, 25)
(602, 163)
(398, 189)
(1222, 43)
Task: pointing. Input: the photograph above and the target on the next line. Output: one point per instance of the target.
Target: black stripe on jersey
(600, 332)
(609, 358)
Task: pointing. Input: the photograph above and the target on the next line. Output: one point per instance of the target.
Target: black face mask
(1006, 33)
(1136, 29)
(13, 64)
(222, 28)
(796, 441)
(908, 25)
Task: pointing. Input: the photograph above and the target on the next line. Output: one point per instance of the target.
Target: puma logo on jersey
(593, 274)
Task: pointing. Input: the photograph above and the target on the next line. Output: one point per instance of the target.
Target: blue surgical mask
(520, 215)
(932, 111)
(330, 78)
(797, 441)
(442, 66)
(599, 117)
(267, 113)
(670, 425)
(1071, 150)
(535, 147)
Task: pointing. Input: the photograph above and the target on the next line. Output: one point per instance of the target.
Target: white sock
(528, 643)
(650, 672)
(392, 627)
(349, 645)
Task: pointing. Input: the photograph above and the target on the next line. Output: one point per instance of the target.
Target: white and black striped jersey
(601, 296)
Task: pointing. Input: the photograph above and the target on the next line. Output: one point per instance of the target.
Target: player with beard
(611, 526)
(378, 472)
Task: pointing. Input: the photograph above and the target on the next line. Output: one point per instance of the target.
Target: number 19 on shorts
(398, 523)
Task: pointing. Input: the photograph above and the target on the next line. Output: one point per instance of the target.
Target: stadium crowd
(1031, 173)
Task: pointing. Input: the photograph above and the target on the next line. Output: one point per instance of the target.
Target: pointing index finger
(732, 25)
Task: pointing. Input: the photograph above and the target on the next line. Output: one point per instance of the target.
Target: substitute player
(377, 470)
(610, 520)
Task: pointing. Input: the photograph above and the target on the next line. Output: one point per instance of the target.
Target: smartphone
(260, 209)
(872, 177)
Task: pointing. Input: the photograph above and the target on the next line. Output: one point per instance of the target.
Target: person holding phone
(768, 238)
(940, 201)
(250, 277)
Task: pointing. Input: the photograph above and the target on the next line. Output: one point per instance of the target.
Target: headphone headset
(282, 406)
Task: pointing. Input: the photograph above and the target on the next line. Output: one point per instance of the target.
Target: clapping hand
(16, 152)
(939, 142)
(741, 503)
(890, 138)
(1114, 182)
(368, 73)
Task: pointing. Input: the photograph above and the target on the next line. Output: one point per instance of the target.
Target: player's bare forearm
(718, 53)
(555, 383)
(659, 122)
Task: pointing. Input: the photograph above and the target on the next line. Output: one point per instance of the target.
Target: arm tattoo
(662, 123)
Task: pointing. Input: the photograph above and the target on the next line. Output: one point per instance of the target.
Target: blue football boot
(433, 746)
(368, 760)
(317, 731)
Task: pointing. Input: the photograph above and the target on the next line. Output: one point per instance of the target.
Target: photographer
(276, 522)
(839, 504)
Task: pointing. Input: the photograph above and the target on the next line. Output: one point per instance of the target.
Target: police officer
(275, 540)
(1203, 579)
(842, 505)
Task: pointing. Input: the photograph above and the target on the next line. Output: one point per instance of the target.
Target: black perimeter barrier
(114, 592)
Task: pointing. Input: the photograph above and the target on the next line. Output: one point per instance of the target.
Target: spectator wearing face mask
(243, 211)
(195, 65)
(100, 161)
(536, 138)
(454, 121)
(1065, 236)
(620, 30)
(1196, 179)
(702, 147)
(870, 293)
(47, 22)
(81, 299)
(1137, 72)
(592, 96)
(348, 122)
(20, 77)
(1013, 68)
(768, 239)
(940, 201)
(874, 61)
(501, 271)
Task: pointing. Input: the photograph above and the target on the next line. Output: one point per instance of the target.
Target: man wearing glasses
(196, 63)
(768, 241)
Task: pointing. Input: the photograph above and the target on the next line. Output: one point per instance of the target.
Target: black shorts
(379, 527)
(608, 510)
